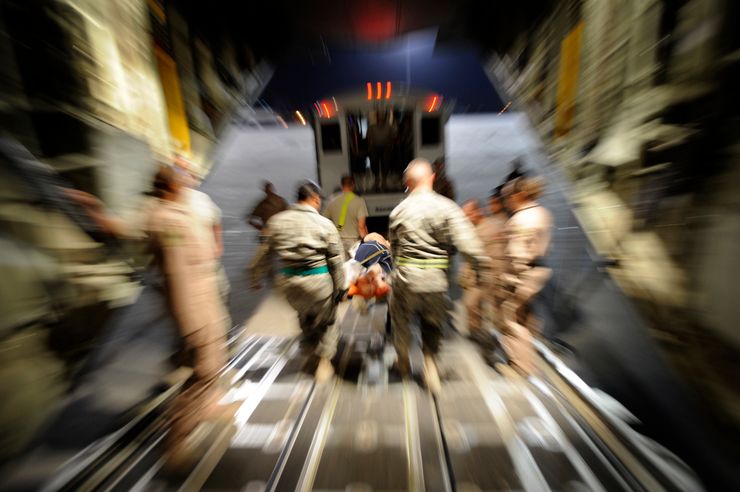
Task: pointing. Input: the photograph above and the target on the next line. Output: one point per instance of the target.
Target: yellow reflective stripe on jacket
(343, 214)
(424, 263)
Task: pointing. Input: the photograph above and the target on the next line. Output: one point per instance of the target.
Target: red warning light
(378, 92)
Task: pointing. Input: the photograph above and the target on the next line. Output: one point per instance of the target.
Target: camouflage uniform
(425, 230)
(187, 260)
(528, 232)
(310, 253)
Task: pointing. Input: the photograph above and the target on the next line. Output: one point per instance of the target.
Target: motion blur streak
(432, 105)
(301, 118)
(146, 145)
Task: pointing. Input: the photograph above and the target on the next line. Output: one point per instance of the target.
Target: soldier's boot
(431, 375)
(324, 371)
(224, 412)
(402, 363)
(403, 366)
(182, 457)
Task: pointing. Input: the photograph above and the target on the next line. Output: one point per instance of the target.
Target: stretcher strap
(343, 213)
(370, 257)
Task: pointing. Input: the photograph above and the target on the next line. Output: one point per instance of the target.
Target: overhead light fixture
(300, 118)
(432, 105)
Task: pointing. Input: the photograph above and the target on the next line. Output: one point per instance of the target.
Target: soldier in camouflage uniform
(311, 276)
(528, 232)
(425, 230)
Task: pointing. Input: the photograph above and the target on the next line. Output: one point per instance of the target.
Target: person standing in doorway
(381, 135)
(442, 182)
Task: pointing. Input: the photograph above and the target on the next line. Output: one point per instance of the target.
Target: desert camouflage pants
(431, 309)
(312, 297)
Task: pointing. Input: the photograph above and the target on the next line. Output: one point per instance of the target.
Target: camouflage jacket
(301, 238)
(426, 229)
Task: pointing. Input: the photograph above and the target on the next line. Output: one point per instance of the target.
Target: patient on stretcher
(369, 268)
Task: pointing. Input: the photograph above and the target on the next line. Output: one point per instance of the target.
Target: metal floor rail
(488, 429)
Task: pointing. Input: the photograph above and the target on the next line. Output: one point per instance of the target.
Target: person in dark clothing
(442, 183)
(266, 208)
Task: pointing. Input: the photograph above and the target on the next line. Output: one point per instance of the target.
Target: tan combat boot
(431, 376)
(324, 371)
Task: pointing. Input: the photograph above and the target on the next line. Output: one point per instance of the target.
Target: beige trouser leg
(519, 326)
(473, 302)
(200, 396)
(517, 339)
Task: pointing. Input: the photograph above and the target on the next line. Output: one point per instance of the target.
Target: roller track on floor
(489, 429)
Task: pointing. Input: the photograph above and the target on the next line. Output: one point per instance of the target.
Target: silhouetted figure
(442, 183)
(380, 138)
(271, 204)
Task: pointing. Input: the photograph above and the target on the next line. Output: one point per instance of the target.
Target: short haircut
(164, 181)
(497, 192)
(418, 168)
(532, 186)
(347, 180)
(306, 190)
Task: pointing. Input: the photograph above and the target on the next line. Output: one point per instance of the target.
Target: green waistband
(424, 263)
(303, 272)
